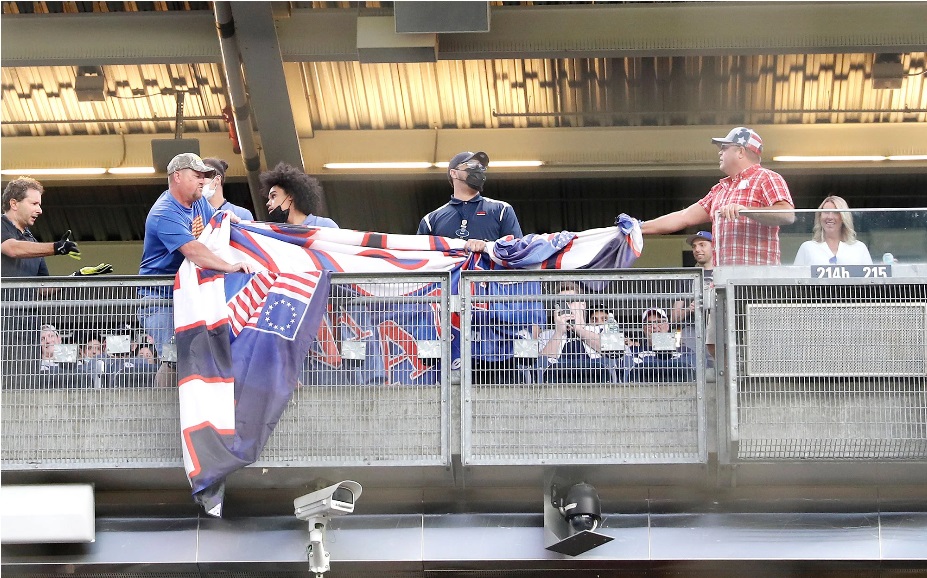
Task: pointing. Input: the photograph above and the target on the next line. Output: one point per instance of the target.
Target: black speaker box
(164, 149)
(435, 17)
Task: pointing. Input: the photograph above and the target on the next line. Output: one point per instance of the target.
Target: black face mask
(278, 215)
(476, 178)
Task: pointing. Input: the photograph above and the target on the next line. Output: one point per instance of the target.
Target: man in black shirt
(23, 256)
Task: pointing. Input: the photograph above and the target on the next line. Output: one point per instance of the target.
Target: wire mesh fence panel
(79, 389)
(830, 371)
(79, 376)
(374, 387)
(581, 367)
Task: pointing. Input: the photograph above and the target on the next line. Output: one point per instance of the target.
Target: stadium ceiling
(587, 88)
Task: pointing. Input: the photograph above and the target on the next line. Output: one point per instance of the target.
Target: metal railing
(374, 388)
(539, 394)
(808, 370)
(826, 369)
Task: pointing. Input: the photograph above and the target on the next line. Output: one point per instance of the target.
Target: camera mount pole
(315, 551)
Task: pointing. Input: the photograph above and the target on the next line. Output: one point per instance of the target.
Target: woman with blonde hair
(833, 238)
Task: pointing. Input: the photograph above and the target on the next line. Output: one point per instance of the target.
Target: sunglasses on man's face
(471, 165)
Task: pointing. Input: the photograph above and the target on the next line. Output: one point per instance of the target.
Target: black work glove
(98, 270)
(67, 247)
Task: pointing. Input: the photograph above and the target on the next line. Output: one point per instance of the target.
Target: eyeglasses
(473, 164)
(724, 147)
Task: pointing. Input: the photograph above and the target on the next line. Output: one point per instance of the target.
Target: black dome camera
(580, 506)
(572, 514)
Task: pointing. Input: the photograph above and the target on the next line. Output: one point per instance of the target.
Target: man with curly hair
(293, 197)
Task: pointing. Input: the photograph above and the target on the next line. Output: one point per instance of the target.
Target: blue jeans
(158, 322)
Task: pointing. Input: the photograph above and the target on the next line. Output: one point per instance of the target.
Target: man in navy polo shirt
(469, 215)
(171, 229)
(478, 219)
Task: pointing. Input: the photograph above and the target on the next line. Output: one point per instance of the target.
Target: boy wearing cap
(173, 224)
(683, 313)
(644, 363)
(751, 239)
(469, 215)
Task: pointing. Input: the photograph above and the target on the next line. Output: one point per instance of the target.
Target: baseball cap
(742, 136)
(188, 161)
(465, 156)
(657, 310)
(700, 235)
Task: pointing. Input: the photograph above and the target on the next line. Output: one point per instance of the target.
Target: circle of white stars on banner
(270, 310)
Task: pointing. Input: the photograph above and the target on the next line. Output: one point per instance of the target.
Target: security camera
(581, 508)
(317, 508)
(335, 500)
(572, 514)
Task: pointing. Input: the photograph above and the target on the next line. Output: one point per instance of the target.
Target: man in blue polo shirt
(173, 224)
(469, 215)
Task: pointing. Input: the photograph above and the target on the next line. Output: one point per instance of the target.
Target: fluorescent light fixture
(421, 165)
(502, 164)
(408, 165)
(907, 158)
(830, 159)
(47, 514)
(514, 164)
(131, 171)
(33, 172)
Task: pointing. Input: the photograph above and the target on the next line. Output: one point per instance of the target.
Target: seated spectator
(146, 355)
(55, 370)
(570, 352)
(598, 316)
(91, 349)
(653, 361)
(93, 361)
(49, 338)
(833, 238)
(133, 371)
(122, 365)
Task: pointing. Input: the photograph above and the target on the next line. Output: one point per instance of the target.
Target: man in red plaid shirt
(751, 239)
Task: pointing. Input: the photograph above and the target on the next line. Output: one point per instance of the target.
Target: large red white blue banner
(242, 339)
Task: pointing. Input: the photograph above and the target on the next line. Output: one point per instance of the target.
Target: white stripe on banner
(202, 405)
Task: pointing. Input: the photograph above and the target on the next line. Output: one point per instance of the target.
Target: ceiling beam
(694, 28)
(113, 38)
(267, 83)
(566, 152)
(575, 31)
